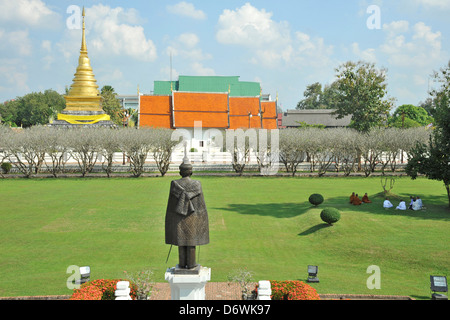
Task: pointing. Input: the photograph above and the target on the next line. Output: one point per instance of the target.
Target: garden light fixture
(312, 274)
(438, 284)
(85, 274)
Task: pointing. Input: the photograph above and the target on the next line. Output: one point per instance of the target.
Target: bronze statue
(186, 216)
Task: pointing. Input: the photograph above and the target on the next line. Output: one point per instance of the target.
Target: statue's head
(186, 166)
(185, 170)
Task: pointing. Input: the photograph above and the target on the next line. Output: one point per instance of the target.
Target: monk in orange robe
(357, 201)
(365, 199)
(352, 197)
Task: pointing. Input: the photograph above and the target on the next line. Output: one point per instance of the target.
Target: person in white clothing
(401, 205)
(387, 204)
(417, 205)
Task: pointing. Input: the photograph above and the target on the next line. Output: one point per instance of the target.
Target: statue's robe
(186, 215)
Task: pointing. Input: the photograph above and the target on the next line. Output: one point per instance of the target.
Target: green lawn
(265, 224)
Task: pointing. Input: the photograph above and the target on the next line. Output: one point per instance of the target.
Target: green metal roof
(209, 84)
(163, 88)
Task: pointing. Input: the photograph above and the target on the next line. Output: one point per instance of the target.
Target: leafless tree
(57, 148)
(239, 144)
(162, 148)
(268, 151)
(292, 149)
(26, 149)
(345, 149)
(109, 143)
(84, 148)
(137, 143)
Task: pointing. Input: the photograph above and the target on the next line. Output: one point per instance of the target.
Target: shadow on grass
(314, 229)
(277, 210)
(434, 210)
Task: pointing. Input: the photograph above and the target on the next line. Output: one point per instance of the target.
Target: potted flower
(143, 281)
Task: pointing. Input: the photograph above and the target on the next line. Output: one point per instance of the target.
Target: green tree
(409, 116)
(318, 98)
(34, 108)
(8, 112)
(428, 106)
(111, 105)
(433, 160)
(312, 97)
(362, 93)
(330, 96)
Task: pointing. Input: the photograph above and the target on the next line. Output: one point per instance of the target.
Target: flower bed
(102, 289)
(292, 290)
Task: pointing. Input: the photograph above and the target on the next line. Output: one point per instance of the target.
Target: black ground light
(312, 274)
(438, 284)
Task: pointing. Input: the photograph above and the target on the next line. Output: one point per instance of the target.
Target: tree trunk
(448, 193)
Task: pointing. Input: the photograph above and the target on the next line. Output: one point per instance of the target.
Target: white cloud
(186, 9)
(14, 76)
(33, 13)
(15, 42)
(186, 52)
(199, 70)
(47, 45)
(110, 32)
(270, 42)
(250, 27)
(418, 46)
(439, 4)
(185, 46)
(368, 55)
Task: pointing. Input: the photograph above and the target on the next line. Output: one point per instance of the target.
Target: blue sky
(285, 45)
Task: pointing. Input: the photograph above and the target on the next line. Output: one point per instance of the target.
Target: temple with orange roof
(216, 102)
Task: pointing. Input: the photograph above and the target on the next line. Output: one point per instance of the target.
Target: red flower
(102, 289)
(293, 290)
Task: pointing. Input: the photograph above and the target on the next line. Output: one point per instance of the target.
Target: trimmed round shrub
(6, 167)
(316, 199)
(330, 215)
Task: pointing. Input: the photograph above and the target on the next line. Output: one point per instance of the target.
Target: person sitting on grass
(365, 198)
(357, 201)
(352, 197)
(412, 199)
(387, 204)
(417, 205)
(401, 205)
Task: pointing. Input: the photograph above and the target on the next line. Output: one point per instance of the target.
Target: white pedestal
(123, 290)
(264, 290)
(188, 286)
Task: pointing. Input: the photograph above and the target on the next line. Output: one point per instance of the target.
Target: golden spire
(84, 94)
(83, 39)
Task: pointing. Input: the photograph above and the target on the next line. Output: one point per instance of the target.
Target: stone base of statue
(188, 284)
(75, 119)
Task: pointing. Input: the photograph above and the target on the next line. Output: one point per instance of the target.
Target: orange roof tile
(209, 108)
(155, 111)
(269, 109)
(244, 105)
(241, 122)
(155, 104)
(199, 101)
(270, 124)
(208, 119)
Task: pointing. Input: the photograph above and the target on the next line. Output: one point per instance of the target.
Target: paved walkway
(213, 291)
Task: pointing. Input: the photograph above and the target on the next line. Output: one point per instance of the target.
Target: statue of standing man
(186, 217)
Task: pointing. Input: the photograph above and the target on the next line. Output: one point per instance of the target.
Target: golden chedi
(83, 101)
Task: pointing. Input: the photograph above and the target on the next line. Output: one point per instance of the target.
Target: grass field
(265, 224)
